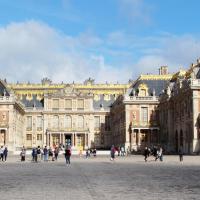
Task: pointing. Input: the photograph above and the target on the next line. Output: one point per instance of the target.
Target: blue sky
(108, 40)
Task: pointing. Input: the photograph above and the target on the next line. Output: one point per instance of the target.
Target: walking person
(95, 152)
(161, 154)
(23, 154)
(34, 154)
(5, 153)
(87, 153)
(180, 152)
(50, 154)
(123, 151)
(112, 153)
(38, 152)
(67, 155)
(56, 152)
(128, 151)
(45, 152)
(146, 153)
(1, 153)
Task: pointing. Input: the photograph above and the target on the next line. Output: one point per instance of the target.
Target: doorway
(68, 140)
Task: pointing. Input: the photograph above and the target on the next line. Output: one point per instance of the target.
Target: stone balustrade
(195, 82)
(7, 99)
(140, 98)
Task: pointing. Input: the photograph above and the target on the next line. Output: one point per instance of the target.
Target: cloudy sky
(108, 40)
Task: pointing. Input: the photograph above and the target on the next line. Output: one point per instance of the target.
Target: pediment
(68, 91)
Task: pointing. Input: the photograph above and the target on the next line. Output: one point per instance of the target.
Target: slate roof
(157, 85)
(101, 103)
(34, 102)
(2, 89)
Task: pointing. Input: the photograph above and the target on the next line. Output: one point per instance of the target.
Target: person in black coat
(180, 152)
(146, 153)
(5, 153)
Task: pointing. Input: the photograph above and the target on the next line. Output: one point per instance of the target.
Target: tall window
(97, 122)
(29, 123)
(39, 122)
(144, 114)
(80, 121)
(80, 104)
(55, 104)
(107, 123)
(28, 136)
(68, 122)
(55, 121)
(68, 104)
(39, 136)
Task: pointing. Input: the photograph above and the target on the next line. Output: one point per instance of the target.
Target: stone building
(158, 109)
(135, 115)
(11, 119)
(53, 114)
(179, 111)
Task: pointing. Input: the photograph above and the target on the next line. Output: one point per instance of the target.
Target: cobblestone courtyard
(99, 178)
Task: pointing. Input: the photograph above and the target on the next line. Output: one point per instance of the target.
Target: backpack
(38, 151)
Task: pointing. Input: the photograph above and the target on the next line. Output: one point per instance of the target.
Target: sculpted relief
(3, 117)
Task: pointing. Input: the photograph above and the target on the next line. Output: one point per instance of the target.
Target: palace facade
(179, 108)
(53, 114)
(160, 109)
(135, 115)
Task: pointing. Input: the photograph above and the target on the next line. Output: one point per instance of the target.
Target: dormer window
(143, 90)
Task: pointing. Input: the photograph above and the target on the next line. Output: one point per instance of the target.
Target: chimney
(163, 70)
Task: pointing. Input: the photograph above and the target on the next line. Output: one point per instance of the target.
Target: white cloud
(136, 10)
(32, 50)
(175, 52)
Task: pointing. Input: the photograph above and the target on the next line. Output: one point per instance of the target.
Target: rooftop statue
(46, 81)
(89, 81)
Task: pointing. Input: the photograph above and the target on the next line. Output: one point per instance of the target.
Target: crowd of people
(156, 152)
(45, 154)
(120, 150)
(51, 154)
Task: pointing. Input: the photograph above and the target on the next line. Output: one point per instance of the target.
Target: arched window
(68, 121)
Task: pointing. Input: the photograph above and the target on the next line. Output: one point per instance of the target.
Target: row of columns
(135, 139)
(74, 138)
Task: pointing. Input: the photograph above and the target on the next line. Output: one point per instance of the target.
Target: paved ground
(99, 178)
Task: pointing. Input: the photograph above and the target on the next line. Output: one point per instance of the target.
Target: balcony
(75, 129)
(7, 99)
(195, 82)
(144, 124)
(140, 98)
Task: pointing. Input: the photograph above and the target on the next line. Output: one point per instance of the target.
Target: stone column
(139, 138)
(63, 139)
(87, 139)
(47, 139)
(74, 139)
(85, 144)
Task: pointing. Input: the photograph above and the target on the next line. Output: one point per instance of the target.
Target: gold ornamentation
(155, 77)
